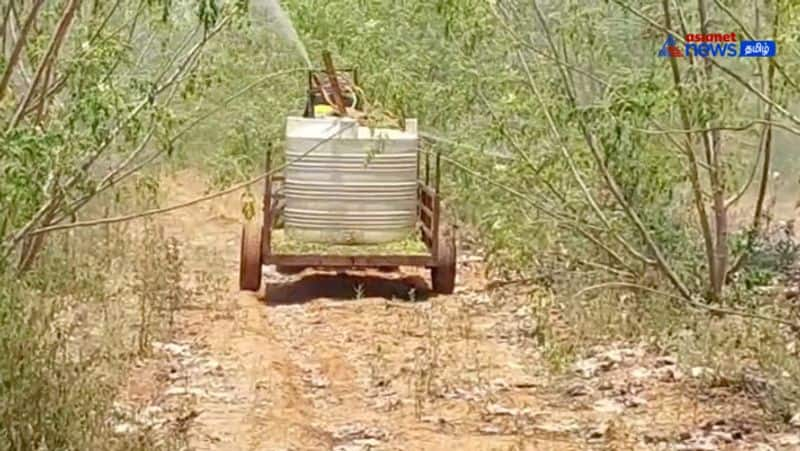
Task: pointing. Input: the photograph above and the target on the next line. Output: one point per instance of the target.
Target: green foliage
(469, 70)
(208, 12)
(114, 84)
(111, 87)
(160, 8)
(235, 158)
(456, 67)
(26, 160)
(409, 245)
(46, 397)
(57, 386)
(766, 257)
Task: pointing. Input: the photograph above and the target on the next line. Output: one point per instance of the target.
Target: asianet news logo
(716, 44)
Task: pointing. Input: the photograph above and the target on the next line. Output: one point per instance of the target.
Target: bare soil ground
(374, 361)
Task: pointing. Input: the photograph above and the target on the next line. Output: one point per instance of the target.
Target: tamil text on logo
(716, 45)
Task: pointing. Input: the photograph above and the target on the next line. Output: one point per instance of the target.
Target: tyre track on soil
(259, 405)
(314, 368)
(318, 374)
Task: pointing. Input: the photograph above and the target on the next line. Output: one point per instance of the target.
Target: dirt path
(376, 362)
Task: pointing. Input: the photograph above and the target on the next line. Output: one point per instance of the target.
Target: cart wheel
(250, 258)
(443, 276)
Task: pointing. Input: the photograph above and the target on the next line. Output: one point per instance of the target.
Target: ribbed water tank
(357, 186)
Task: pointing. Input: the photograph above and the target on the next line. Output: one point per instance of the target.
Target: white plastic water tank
(357, 186)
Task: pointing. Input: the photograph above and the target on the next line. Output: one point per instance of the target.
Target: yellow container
(323, 110)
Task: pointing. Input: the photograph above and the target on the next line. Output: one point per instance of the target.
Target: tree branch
(52, 51)
(691, 302)
(772, 61)
(766, 99)
(157, 211)
(116, 175)
(18, 46)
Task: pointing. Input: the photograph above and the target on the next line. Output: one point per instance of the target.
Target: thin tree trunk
(713, 146)
(694, 174)
(720, 222)
(765, 144)
(20, 44)
(766, 141)
(52, 51)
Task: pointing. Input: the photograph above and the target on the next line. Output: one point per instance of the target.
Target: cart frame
(440, 241)
(440, 259)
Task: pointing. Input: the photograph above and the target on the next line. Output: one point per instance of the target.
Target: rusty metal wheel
(443, 276)
(250, 257)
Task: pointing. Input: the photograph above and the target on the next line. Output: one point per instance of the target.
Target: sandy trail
(377, 362)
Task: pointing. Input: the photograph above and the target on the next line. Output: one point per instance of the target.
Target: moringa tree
(631, 127)
(88, 94)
